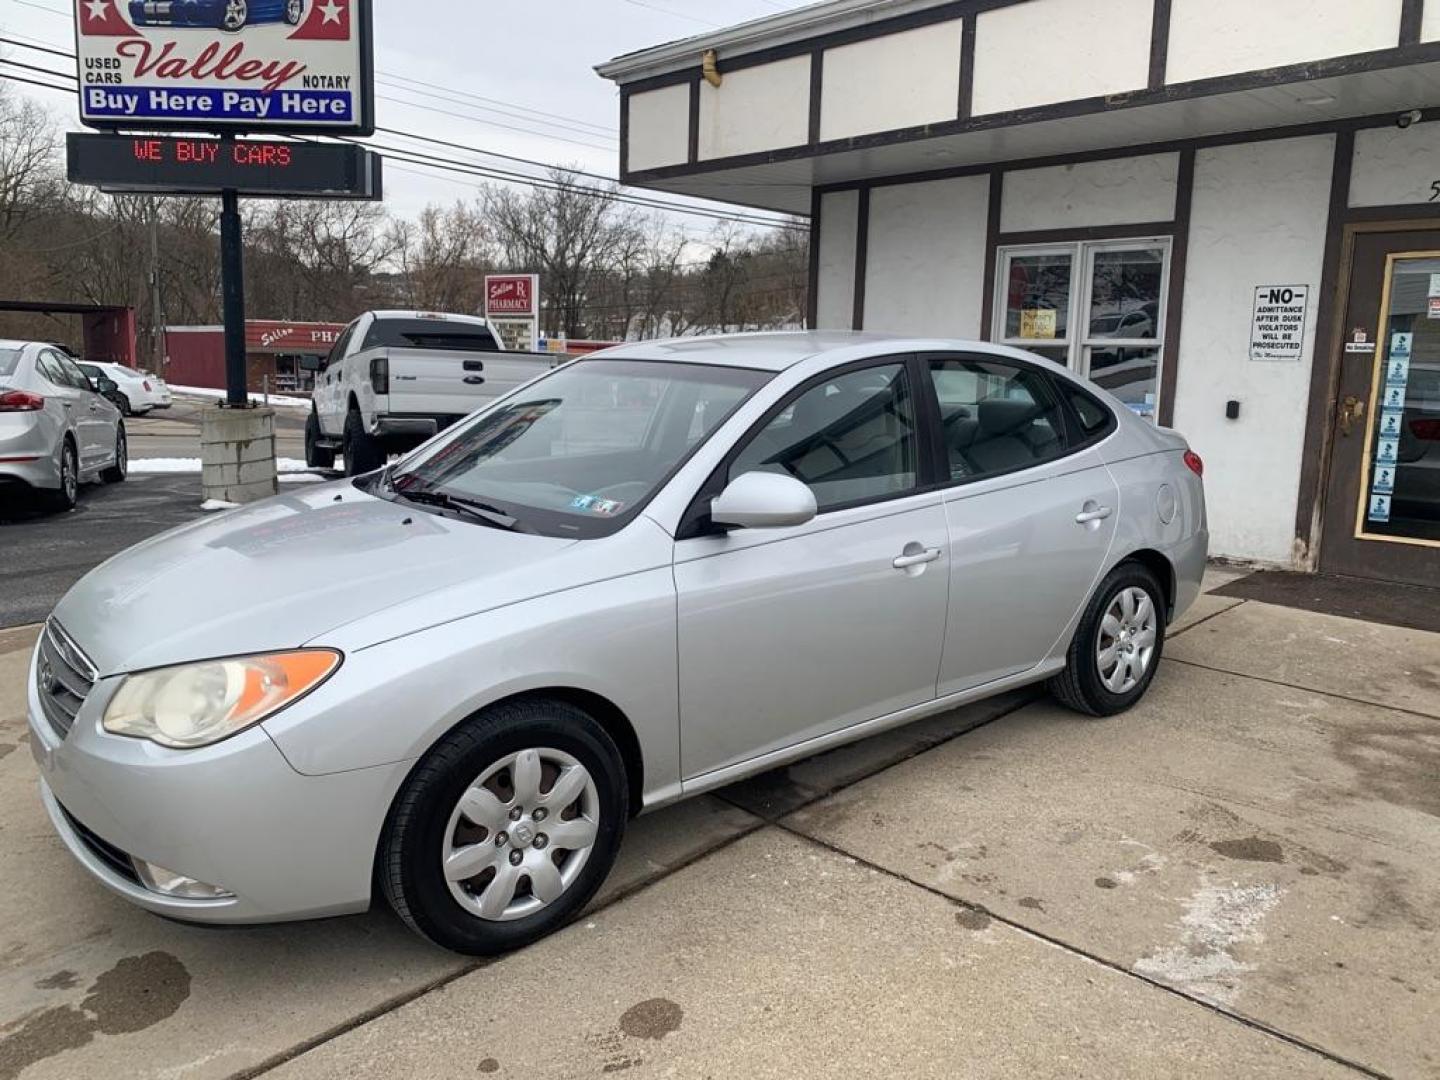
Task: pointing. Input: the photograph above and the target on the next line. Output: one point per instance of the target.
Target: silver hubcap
(235, 12)
(293, 9)
(67, 474)
(520, 834)
(1126, 642)
(122, 454)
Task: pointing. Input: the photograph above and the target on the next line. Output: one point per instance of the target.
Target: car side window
(48, 364)
(338, 349)
(851, 438)
(1093, 417)
(73, 373)
(996, 416)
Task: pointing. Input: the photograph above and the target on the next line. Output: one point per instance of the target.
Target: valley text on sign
(264, 65)
(1277, 330)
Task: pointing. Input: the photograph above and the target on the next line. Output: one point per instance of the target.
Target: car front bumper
(234, 815)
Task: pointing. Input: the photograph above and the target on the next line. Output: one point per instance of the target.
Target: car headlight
(199, 704)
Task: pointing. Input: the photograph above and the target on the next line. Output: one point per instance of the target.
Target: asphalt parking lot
(1239, 877)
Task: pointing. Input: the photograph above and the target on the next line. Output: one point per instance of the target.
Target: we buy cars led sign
(226, 65)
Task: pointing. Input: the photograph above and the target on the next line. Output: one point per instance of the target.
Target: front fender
(390, 702)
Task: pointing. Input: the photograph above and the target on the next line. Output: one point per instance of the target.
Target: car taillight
(1194, 464)
(380, 375)
(20, 401)
(1429, 430)
(146, 384)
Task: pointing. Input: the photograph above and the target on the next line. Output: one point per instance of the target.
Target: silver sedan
(641, 576)
(56, 429)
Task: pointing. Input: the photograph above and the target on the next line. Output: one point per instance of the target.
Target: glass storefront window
(1116, 299)
(1402, 475)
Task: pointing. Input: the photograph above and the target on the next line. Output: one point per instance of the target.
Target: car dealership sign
(217, 65)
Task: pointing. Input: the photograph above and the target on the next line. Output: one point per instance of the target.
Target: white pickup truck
(395, 378)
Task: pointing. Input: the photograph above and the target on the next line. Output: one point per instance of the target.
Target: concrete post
(237, 454)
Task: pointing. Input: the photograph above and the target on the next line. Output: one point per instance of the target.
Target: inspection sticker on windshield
(595, 505)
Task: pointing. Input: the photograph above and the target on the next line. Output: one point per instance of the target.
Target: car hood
(277, 574)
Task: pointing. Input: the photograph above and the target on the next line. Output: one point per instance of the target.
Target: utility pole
(157, 318)
(232, 289)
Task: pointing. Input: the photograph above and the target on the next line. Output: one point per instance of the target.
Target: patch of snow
(218, 504)
(192, 465)
(302, 478)
(285, 401)
(1217, 918)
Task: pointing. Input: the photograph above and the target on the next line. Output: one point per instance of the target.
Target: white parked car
(137, 392)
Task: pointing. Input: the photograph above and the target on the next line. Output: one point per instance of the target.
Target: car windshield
(580, 451)
(9, 361)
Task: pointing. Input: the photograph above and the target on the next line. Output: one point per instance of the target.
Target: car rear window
(9, 361)
(429, 334)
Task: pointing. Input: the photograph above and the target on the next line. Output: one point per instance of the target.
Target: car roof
(445, 316)
(778, 350)
(9, 343)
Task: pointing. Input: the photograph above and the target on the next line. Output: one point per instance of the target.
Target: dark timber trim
(1411, 13)
(1175, 297)
(862, 255)
(1087, 232)
(1159, 44)
(967, 69)
(1325, 357)
(624, 130)
(812, 293)
(817, 85)
(992, 245)
(1384, 59)
(693, 138)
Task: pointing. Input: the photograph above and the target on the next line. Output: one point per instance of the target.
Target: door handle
(474, 380)
(920, 558)
(1351, 410)
(1100, 513)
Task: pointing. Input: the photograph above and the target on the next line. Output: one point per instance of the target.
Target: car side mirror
(311, 362)
(758, 500)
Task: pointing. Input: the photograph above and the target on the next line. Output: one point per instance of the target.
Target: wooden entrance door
(1382, 502)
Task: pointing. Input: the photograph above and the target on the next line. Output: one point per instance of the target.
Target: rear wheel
(69, 493)
(1117, 645)
(316, 456)
(236, 15)
(118, 471)
(363, 452)
(506, 828)
(122, 403)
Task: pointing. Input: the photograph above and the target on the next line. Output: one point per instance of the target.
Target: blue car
(229, 15)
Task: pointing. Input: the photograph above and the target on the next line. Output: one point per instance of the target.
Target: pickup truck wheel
(316, 456)
(363, 452)
(506, 828)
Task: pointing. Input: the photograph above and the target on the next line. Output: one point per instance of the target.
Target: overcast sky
(536, 54)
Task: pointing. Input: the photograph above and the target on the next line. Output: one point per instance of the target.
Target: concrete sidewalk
(1239, 877)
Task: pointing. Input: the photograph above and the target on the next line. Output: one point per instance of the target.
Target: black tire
(294, 9)
(363, 452)
(117, 472)
(235, 26)
(123, 404)
(316, 457)
(69, 493)
(409, 864)
(1081, 686)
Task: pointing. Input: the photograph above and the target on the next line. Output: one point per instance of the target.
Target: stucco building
(1227, 212)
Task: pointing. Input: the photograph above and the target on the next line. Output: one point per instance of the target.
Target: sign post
(292, 68)
(512, 304)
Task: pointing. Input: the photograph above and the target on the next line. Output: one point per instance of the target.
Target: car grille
(103, 850)
(63, 678)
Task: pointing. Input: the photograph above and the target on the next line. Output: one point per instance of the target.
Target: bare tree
(444, 257)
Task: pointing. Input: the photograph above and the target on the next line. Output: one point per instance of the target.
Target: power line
(604, 128)
(490, 123)
(559, 125)
(674, 14)
(416, 157)
(657, 203)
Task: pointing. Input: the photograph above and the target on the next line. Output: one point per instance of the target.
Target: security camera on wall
(1405, 119)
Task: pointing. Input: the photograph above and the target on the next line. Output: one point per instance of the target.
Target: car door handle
(474, 380)
(920, 558)
(1100, 513)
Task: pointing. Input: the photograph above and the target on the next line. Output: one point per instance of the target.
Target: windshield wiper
(490, 515)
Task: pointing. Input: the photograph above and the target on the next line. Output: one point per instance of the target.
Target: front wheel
(506, 829)
(316, 456)
(293, 10)
(235, 16)
(1117, 645)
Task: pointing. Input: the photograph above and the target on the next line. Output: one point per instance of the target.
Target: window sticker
(1384, 483)
(1380, 508)
(1394, 398)
(1390, 424)
(1037, 323)
(1397, 372)
(1400, 344)
(1387, 451)
(593, 504)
